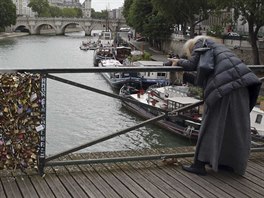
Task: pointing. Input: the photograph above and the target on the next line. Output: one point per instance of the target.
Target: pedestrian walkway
(155, 54)
(142, 45)
(146, 179)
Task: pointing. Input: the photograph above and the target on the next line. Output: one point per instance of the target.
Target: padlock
(20, 113)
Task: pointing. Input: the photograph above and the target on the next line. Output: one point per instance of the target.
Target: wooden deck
(133, 179)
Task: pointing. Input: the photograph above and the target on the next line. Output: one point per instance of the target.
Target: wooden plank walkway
(133, 179)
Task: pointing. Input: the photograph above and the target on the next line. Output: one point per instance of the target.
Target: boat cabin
(122, 52)
(125, 75)
(257, 120)
(178, 102)
(106, 35)
(110, 63)
(152, 75)
(172, 98)
(105, 52)
(191, 117)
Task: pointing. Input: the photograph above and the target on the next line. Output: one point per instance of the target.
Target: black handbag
(205, 65)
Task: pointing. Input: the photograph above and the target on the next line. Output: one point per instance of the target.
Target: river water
(76, 116)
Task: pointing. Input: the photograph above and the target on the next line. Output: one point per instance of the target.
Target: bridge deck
(133, 179)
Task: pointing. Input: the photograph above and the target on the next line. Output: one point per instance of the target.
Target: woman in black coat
(230, 93)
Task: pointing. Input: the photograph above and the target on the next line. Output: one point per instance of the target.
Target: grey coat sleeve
(191, 63)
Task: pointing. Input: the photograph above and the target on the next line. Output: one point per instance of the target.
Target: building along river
(76, 116)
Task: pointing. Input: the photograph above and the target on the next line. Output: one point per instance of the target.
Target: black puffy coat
(230, 73)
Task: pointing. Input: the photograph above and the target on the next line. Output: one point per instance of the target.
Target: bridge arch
(22, 28)
(63, 28)
(38, 28)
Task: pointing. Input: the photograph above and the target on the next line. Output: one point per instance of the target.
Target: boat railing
(42, 160)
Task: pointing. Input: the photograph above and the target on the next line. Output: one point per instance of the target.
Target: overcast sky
(99, 5)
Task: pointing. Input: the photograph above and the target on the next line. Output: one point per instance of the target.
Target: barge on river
(168, 98)
(185, 124)
(118, 79)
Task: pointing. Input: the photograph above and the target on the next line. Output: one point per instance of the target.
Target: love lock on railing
(22, 121)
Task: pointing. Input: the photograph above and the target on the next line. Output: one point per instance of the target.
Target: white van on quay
(124, 29)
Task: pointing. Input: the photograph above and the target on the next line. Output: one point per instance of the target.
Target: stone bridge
(34, 25)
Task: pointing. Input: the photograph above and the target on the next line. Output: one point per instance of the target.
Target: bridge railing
(15, 141)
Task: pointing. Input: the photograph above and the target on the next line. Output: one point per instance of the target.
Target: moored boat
(85, 45)
(103, 53)
(185, 124)
(151, 78)
(88, 45)
(257, 123)
(122, 52)
(128, 89)
(118, 79)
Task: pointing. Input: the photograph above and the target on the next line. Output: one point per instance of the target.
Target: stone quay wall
(241, 48)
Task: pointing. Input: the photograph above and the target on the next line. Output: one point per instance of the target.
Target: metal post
(42, 132)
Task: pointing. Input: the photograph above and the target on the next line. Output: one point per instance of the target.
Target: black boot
(197, 167)
(225, 168)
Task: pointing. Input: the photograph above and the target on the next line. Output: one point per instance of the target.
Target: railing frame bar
(119, 159)
(130, 68)
(126, 159)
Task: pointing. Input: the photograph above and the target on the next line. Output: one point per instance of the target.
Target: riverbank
(176, 46)
(12, 34)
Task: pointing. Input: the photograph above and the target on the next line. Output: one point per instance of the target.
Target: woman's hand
(174, 61)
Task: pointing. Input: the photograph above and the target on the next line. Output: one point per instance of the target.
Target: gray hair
(188, 45)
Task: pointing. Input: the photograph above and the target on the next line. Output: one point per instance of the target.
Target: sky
(99, 5)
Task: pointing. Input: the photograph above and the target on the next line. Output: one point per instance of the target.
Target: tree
(252, 12)
(55, 11)
(137, 16)
(99, 15)
(78, 12)
(187, 13)
(7, 13)
(158, 29)
(126, 10)
(41, 7)
(68, 12)
(148, 21)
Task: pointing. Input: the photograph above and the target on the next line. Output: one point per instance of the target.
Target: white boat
(106, 35)
(88, 45)
(168, 98)
(121, 53)
(106, 39)
(150, 78)
(103, 53)
(118, 79)
(257, 120)
(186, 124)
(127, 90)
(110, 52)
(85, 45)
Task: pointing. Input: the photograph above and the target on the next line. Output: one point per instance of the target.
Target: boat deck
(134, 179)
